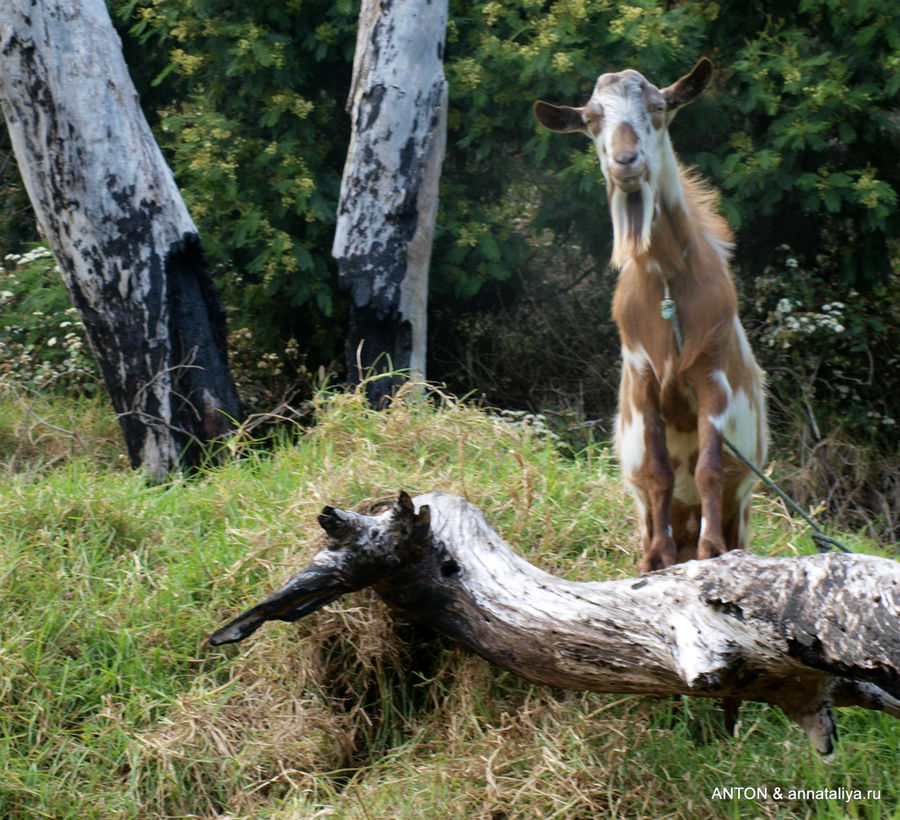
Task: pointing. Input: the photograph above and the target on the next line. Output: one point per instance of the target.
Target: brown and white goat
(675, 405)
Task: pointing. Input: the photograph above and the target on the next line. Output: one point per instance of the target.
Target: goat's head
(627, 118)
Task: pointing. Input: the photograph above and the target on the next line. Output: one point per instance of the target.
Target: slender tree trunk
(389, 193)
(129, 253)
(805, 634)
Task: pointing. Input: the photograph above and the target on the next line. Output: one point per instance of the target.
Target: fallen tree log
(804, 634)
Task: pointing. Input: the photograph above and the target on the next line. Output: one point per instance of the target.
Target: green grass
(113, 706)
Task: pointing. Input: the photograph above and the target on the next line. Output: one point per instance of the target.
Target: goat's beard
(632, 218)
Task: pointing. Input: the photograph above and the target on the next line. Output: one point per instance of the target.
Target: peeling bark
(804, 634)
(129, 253)
(389, 191)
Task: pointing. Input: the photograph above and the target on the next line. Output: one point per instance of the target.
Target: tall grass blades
(113, 706)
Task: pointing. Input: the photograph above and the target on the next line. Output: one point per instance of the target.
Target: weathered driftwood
(802, 633)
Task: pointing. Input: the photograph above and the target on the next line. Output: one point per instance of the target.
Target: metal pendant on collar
(669, 312)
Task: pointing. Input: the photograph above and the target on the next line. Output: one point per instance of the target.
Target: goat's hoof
(654, 562)
(710, 549)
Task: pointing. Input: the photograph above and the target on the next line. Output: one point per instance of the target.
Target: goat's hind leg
(709, 473)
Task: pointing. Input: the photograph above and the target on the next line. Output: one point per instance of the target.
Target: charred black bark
(206, 403)
(378, 344)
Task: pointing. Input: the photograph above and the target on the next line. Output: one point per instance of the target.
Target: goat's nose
(626, 158)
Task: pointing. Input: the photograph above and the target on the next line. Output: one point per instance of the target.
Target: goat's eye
(657, 107)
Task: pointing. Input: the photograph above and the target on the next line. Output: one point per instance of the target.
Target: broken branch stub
(804, 633)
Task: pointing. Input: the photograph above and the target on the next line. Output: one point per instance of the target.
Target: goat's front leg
(713, 398)
(660, 482)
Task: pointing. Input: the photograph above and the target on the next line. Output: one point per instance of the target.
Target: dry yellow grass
(114, 706)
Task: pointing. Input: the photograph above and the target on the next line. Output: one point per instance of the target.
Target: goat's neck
(670, 193)
(650, 225)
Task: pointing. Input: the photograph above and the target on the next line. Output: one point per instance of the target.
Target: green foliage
(812, 99)
(800, 130)
(42, 339)
(834, 349)
(17, 226)
(251, 114)
(499, 192)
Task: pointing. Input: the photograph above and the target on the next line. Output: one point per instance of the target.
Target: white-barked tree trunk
(129, 252)
(389, 192)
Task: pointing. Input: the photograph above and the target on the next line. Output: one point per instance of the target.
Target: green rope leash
(822, 541)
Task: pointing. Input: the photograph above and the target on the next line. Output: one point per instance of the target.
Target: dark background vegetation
(801, 132)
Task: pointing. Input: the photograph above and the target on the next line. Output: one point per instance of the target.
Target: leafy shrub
(270, 382)
(829, 351)
(811, 103)
(43, 346)
(17, 227)
(42, 340)
(831, 355)
(250, 110)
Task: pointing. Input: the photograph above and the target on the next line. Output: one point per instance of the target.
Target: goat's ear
(561, 118)
(689, 87)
